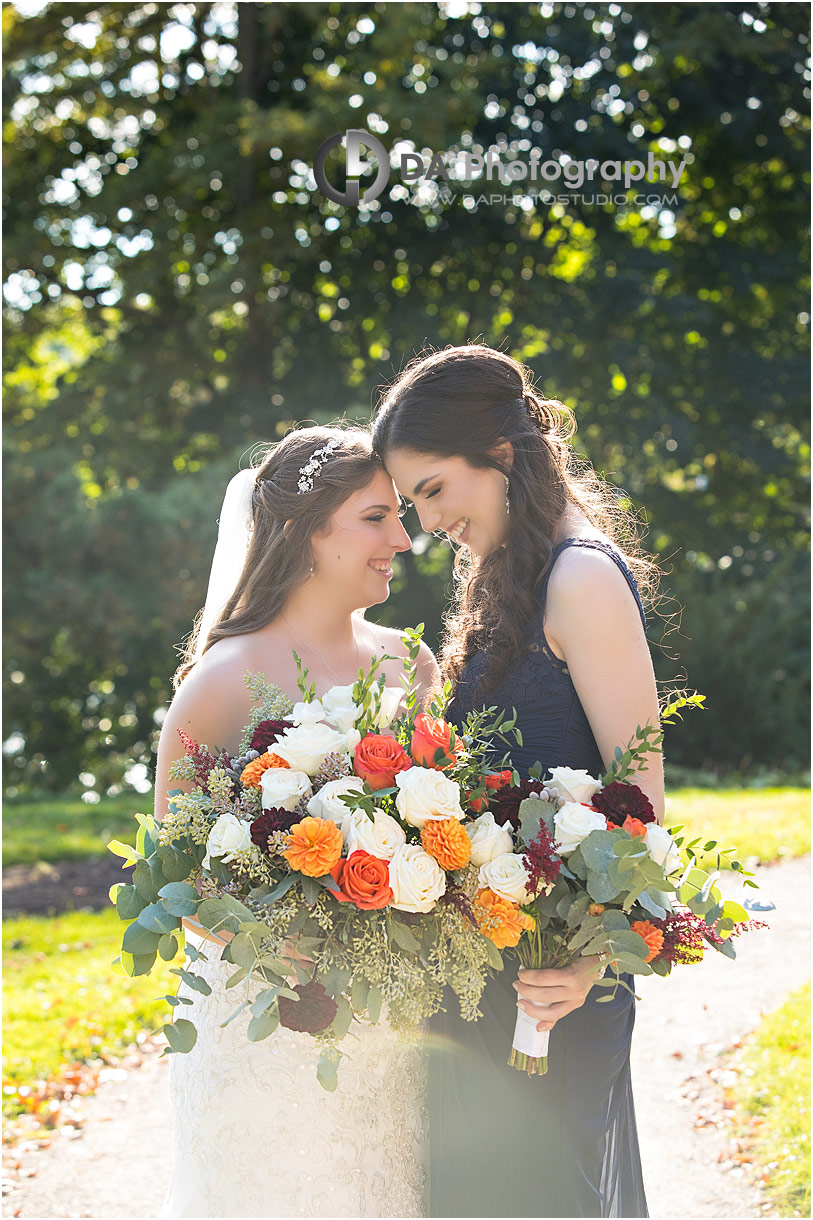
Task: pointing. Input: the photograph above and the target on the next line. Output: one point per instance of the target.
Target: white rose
(283, 788)
(351, 739)
(575, 822)
(307, 746)
(391, 697)
(340, 710)
(327, 803)
(380, 838)
(307, 713)
(426, 795)
(416, 879)
(488, 839)
(506, 876)
(227, 836)
(571, 785)
(662, 847)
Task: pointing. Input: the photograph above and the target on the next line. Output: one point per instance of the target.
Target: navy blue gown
(503, 1143)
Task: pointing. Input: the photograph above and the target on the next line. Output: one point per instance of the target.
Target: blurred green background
(177, 289)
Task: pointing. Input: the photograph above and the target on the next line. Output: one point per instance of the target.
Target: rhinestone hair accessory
(313, 467)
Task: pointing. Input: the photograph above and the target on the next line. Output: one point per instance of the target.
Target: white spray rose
(416, 879)
(307, 746)
(340, 710)
(488, 839)
(391, 697)
(327, 803)
(307, 713)
(283, 788)
(381, 837)
(351, 739)
(572, 785)
(227, 836)
(662, 847)
(575, 822)
(426, 795)
(506, 876)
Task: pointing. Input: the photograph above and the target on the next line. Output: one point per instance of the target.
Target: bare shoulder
(587, 590)
(583, 571)
(388, 640)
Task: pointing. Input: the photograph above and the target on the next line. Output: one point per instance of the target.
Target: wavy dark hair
(464, 401)
(279, 560)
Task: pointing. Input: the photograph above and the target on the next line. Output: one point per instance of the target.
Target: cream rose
(488, 839)
(380, 837)
(307, 746)
(662, 847)
(427, 795)
(307, 713)
(283, 788)
(417, 880)
(573, 823)
(572, 785)
(327, 802)
(227, 836)
(506, 876)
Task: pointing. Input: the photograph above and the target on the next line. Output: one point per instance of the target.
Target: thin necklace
(319, 655)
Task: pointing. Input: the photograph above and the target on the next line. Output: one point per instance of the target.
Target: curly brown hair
(279, 558)
(465, 401)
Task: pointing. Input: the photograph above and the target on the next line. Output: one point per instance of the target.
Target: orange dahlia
(251, 774)
(650, 934)
(447, 841)
(314, 846)
(489, 907)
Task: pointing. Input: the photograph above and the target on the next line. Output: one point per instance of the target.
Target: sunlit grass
(60, 828)
(764, 825)
(63, 1004)
(772, 1098)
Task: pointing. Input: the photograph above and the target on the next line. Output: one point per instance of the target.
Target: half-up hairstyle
(279, 559)
(463, 402)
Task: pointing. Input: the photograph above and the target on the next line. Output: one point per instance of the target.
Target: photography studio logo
(354, 142)
(530, 176)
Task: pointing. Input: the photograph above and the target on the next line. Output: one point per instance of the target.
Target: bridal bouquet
(590, 872)
(336, 858)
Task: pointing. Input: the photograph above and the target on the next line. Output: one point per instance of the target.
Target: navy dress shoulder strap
(600, 545)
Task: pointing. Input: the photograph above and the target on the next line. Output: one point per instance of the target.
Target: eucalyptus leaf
(359, 993)
(181, 1036)
(156, 918)
(237, 977)
(327, 1069)
(175, 865)
(236, 1013)
(144, 881)
(138, 940)
(167, 947)
(601, 888)
(310, 889)
(374, 1002)
(135, 964)
(194, 981)
(280, 889)
(243, 950)
(402, 936)
(179, 899)
(263, 1026)
(129, 903)
(128, 852)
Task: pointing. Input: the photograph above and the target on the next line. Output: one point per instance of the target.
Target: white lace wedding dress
(256, 1134)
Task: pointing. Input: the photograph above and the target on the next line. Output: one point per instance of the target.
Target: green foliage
(772, 1097)
(178, 290)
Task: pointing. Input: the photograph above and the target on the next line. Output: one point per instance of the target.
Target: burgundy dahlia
(506, 801)
(621, 801)
(269, 821)
(542, 864)
(267, 732)
(311, 1013)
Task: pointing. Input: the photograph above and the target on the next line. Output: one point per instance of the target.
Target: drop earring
(507, 501)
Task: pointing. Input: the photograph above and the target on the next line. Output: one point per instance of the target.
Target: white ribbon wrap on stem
(527, 1039)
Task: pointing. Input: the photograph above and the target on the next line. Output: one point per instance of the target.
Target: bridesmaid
(548, 618)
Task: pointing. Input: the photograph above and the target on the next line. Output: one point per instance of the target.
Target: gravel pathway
(683, 1023)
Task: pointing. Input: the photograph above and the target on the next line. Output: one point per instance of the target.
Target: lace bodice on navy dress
(564, 1144)
(555, 730)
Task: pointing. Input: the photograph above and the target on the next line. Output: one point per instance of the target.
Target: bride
(305, 542)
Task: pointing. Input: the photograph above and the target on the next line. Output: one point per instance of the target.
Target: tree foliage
(177, 289)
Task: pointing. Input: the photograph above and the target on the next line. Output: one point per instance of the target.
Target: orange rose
(649, 933)
(489, 907)
(432, 743)
(314, 846)
(363, 880)
(634, 827)
(378, 760)
(252, 773)
(447, 841)
(493, 783)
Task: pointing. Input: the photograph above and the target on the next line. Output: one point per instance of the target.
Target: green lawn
(56, 829)
(63, 1004)
(764, 824)
(772, 1102)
